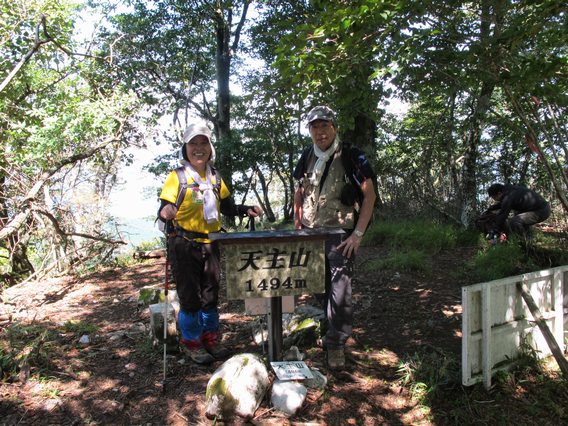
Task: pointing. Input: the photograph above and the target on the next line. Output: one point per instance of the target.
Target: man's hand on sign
(350, 246)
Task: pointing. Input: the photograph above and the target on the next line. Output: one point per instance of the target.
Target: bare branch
(64, 234)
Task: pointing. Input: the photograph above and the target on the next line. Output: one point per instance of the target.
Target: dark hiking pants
(337, 300)
(520, 223)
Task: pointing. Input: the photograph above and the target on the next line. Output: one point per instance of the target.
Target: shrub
(495, 262)
(425, 374)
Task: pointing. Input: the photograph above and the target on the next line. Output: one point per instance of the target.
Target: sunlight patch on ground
(450, 311)
(390, 402)
(423, 293)
(229, 317)
(417, 416)
(123, 353)
(383, 357)
(106, 384)
(409, 411)
(45, 388)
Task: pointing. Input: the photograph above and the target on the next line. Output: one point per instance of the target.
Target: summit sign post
(272, 264)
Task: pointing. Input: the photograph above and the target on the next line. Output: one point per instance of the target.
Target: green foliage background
(483, 85)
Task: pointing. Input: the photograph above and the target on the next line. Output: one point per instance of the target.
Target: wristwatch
(358, 234)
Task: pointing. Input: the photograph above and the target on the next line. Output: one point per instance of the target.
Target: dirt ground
(115, 379)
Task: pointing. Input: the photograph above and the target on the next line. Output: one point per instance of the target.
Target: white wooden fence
(496, 322)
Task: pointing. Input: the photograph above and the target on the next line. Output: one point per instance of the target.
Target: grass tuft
(499, 261)
(79, 327)
(408, 261)
(426, 374)
(416, 234)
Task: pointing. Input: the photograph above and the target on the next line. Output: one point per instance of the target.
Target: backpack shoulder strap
(182, 188)
(217, 186)
(302, 165)
(166, 226)
(348, 163)
(349, 157)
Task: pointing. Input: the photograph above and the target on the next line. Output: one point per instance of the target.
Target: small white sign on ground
(291, 370)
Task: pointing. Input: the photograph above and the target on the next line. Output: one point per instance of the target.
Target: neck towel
(210, 210)
(322, 156)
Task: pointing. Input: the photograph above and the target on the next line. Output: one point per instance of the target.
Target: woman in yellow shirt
(195, 258)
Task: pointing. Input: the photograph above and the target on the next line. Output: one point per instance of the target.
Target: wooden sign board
(274, 264)
(275, 269)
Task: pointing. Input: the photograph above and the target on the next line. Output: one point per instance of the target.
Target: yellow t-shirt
(190, 213)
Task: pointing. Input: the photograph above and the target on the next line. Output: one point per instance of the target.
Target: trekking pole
(166, 308)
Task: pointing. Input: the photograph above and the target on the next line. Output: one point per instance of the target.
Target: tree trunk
(490, 27)
(223, 119)
(264, 200)
(21, 265)
(363, 133)
(468, 200)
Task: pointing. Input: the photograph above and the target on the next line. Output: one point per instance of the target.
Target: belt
(189, 235)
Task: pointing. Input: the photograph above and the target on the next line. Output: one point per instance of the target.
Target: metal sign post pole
(275, 329)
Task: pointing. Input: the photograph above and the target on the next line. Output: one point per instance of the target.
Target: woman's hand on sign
(168, 212)
(255, 211)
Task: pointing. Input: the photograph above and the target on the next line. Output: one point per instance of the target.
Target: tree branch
(239, 28)
(37, 44)
(25, 206)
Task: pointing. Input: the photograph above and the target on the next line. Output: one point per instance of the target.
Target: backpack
(352, 194)
(182, 189)
(486, 222)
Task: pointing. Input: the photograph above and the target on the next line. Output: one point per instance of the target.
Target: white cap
(193, 130)
(196, 129)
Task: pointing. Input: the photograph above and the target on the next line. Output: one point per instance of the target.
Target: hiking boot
(335, 358)
(196, 352)
(212, 343)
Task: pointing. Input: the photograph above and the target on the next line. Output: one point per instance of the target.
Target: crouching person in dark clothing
(528, 208)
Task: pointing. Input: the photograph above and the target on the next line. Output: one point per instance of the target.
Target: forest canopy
(484, 84)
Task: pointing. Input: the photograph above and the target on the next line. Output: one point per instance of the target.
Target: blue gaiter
(209, 319)
(189, 325)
